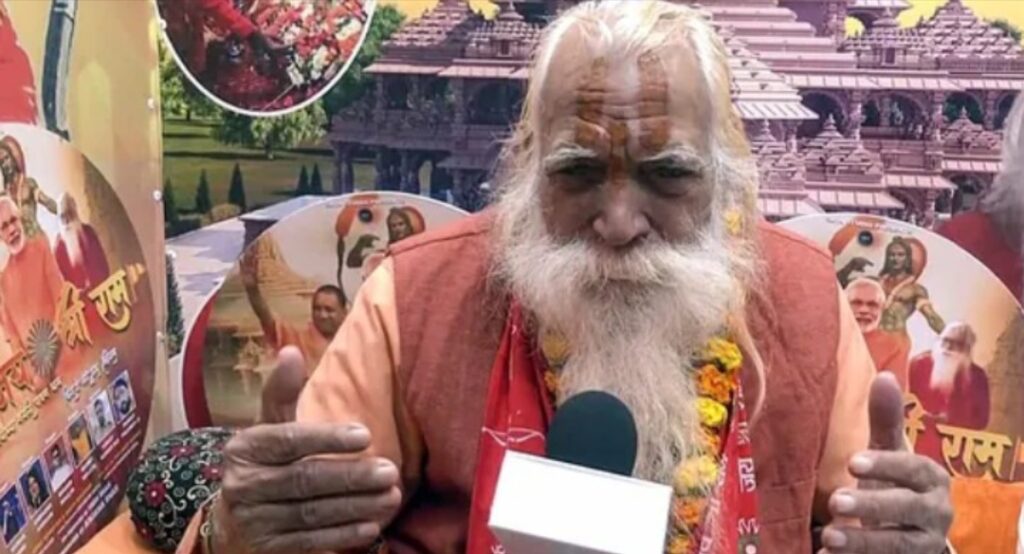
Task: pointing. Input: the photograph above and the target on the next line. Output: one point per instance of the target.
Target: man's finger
(900, 469)
(289, 442)
(855, 540)
(318, 513)
(901, 507)
(885, 406)
(310, 479)
(331, 539)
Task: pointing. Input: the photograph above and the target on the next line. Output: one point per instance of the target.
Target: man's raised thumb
(885, 408)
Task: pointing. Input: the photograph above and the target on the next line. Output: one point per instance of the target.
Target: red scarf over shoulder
(519, 411)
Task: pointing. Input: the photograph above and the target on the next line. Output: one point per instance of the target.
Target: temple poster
(948, 329)
(81, 263)
(293, 286)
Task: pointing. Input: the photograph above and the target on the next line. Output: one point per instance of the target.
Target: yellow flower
(555, 349)
(733, 222)
(551, 382)
(696, 473)
(712, 442)
(712, 414)
(679, 545)
(725, 353)
(714, 384)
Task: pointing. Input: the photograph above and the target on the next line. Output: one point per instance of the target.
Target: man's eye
(581, 171)
(669, 172)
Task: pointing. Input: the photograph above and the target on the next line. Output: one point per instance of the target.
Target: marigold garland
(717, 380)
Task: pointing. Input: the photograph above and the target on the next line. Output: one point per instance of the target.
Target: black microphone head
(596, 430)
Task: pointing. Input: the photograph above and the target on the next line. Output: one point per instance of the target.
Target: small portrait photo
(58, 462)
(101, 420)
(124, 401)
(81, 441)
(34, 487)
(13, 515)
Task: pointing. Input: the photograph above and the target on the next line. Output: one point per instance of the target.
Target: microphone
(581, 498)
(596, 430)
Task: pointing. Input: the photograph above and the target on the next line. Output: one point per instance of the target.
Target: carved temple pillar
(459, 98)
(938, 118)
(378, 98)
(344, 175)
(990, 109)
(409, 167)
(928, 217)
(415, 98)
(383, 172)
(856, 115)
(885, 111)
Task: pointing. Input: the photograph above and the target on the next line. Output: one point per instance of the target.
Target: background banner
(947, 327)
(77, 344)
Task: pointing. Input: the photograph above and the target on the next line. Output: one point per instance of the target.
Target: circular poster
(293, 286)
(265, 57)
(949, 330)
(77, 344)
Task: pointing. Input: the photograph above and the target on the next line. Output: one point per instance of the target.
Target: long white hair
(634, 320)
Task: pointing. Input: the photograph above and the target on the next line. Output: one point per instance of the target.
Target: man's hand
(277, 500)
(903, 501)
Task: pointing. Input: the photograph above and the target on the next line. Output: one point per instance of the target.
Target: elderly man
(948, 383)
(995, 234)
(867, 298)
(79, 252)
(625, 245)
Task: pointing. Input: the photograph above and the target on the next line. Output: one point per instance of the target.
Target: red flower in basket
(155, 493)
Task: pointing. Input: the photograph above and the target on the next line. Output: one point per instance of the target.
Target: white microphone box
(544, 506)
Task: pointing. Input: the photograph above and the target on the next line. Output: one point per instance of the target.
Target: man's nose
(622, 220)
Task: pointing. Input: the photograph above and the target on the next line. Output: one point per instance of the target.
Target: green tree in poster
(236, 193)
(354, 84)
(271, 134)
(1009, 28)
(316, 183)
(178, 96)
(203, 202)
(170, 204)
(175, 322)
(303, 188)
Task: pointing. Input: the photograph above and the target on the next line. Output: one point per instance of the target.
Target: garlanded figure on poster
(77, 329)
(960, 369)
(265, 55)
(292, 287)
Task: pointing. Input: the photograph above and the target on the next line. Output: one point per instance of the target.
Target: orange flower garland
(717, 380)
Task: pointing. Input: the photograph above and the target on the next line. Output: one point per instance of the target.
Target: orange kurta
(356, 381)
(30, 289)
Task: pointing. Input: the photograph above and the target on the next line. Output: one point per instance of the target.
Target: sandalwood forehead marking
(615, 122)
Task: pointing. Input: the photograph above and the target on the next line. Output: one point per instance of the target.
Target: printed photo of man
(59, 465)
(81, 443)
(33, 486)
(101, 421)
(13, 515)
(124, 402)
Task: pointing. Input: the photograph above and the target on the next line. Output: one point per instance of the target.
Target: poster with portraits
(293, 286)
(265, 57)
(949, 330)
(77, 343)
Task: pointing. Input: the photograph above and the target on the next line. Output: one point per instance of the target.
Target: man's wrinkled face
(625, 148)
(954, 343)
(866, 303)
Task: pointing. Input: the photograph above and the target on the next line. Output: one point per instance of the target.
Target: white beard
(632, 320)
(71, 235)
(945, 367)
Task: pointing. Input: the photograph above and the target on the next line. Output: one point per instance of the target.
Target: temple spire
(507, 11)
